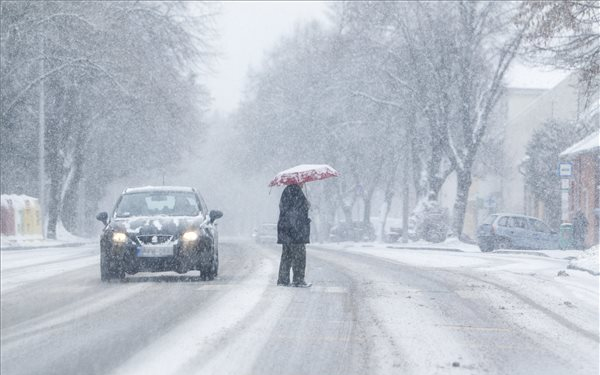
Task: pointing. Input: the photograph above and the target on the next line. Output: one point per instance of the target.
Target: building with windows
(520, 112)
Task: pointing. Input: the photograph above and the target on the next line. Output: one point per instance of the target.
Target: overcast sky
(248, 29)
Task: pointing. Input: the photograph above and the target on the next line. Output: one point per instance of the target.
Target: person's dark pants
(292, 256)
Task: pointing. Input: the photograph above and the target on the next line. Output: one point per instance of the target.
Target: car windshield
(158, 203)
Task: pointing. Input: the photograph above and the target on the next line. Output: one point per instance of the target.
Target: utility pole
(41, 136)
(405, 197)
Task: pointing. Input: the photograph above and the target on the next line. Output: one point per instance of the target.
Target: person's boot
(301, 284)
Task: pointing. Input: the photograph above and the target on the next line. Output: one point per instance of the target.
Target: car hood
(171, 225)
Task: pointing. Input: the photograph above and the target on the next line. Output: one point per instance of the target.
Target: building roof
(588, 144)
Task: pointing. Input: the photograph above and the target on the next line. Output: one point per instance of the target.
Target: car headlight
(189, 236)
(119, 237)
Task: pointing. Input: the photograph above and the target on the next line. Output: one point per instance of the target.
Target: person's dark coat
(293, 226)
(580, 225)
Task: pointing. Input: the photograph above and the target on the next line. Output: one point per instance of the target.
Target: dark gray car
(156, 229)
(512, 231)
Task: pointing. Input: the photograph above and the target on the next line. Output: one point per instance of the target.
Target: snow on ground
(25, 259)
(176, 351)
(27, 265)
(540, 276)
(587, 261)
(581, 260)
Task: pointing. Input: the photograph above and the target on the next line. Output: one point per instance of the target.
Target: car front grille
(154, 239)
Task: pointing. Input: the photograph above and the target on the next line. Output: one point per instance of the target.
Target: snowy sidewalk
(586, 261)
(8, 245)
(63, 239)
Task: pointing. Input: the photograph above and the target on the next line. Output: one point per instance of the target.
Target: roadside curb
(520, 252)
(48, 246)
(572, 267)
(450, 249)
(447, 249)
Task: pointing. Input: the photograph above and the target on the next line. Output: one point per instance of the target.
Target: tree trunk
(54, 168)
(463, 184)
(389, 197)
(53, 206)
(367, 210)
(68, 212)
(367, 199)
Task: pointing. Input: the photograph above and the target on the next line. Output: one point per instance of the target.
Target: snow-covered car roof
(147, 189)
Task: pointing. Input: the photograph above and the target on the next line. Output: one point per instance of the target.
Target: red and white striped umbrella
(303, 173)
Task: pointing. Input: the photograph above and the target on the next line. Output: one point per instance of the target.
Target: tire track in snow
(79, 309)
(435, 309)
(183, 344)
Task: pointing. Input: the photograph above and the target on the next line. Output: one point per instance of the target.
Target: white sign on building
(565, 169)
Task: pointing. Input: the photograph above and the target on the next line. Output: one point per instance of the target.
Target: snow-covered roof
(588, 144)
(146, 189)
(17, 201)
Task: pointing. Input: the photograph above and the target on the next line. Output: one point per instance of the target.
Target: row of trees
(395, 92)
(565, 35)
(96, 90)
(392, 91)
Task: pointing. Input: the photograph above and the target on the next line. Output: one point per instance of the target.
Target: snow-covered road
(370, 311)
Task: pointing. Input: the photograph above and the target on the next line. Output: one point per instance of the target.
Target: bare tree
(112, 72)
(564, 34)
(487, 43)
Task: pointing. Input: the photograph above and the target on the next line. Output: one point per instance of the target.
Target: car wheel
(215, 266)
(106, 271)
(209, 267)
(105, 274)
(504, 243)
(206, 273)
(485, 247)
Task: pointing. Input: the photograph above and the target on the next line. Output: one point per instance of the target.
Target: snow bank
(587, 261)
(450, 244)
(63, 238)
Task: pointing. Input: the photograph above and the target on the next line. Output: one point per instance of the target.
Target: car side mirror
(103, 217)
(214, 215)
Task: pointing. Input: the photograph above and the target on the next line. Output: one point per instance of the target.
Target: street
(367, 313)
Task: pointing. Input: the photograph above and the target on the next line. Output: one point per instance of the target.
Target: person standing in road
(580, 225)
(293, 232)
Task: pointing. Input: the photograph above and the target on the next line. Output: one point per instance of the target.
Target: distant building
(561, 103)
(519, 113)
